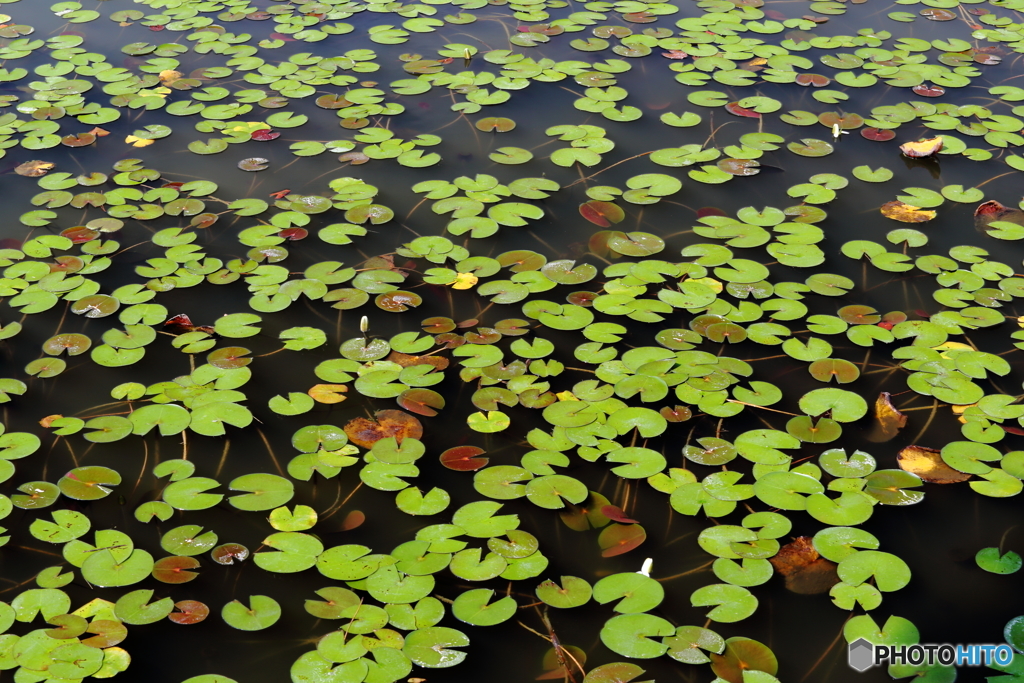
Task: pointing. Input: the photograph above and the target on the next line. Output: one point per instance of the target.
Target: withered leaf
(906, 213)
(399, 424)
(405, 360)
(34, 168)
(888, 420)
(922, 148)
(806, 572)
(327, 393)
(927, 463)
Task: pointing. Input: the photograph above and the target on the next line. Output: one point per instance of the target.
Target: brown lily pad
(602, 214)
(814, 80)
(877, 134)
(906, 213)
(805, 571)
(34, 168)
(464, 458)
(888, 420)
(618, 539)
(228, 553)
(424, 402)
(175, 569)
(189, 612)
(927, 463)
(353, 519)
(922, 148)
(743, 654)
(364, 432)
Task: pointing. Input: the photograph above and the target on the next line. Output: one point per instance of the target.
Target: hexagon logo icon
(861, 655)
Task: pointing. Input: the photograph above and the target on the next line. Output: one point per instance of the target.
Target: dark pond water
(949, 598)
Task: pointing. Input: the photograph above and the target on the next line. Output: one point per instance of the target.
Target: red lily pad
(189, 612)
(602, 214)
(203, 220)
(78, 140)
(264, 134)
(80, 234)
(706, 211)
(618, 539)
(582, 298)
(424, 402)
(294, 234)
(877, 134)
(229, 357)
(437, 325)
(676, 413)
(735, 109)
(175, 569)
(815, 80)
(353, 519)
(929, 90)
(464, 458)
(228, 553)
(616, 514)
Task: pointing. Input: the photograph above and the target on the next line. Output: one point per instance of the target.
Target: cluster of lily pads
(635, 362)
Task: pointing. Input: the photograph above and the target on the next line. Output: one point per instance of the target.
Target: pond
(505, 341)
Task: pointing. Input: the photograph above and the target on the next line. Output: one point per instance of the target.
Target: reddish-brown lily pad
(602, 214)
(618, 539)
(877, 134)
(228, 553)
(364, 432)
(464, 458)
(929, 90)
(175, 569)
(424, 402)
(189, 612)
(735, 109)
(805, 571)
(229, 357)
(743, 654)
(815, 80)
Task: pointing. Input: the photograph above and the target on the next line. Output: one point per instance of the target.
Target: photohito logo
(862, 655)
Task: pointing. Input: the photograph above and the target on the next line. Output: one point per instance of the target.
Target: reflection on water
(949, 598)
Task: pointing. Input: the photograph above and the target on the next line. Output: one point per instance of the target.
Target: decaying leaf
(352, 520)
(138, 142)
(806, 572)
(888, 421)
(99, 132)
(922, 148)
(906, 213)
(48, 420)
(168, 76)
(364, 432)
(616, 514)
(405, 360)
(927, 463)
(992, 211)
(34, 168)
(465, 281)
(327, 393)
(555, 669)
